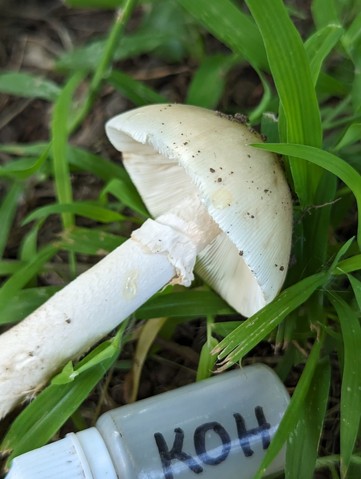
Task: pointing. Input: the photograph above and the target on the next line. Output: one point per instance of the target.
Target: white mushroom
(214, 197)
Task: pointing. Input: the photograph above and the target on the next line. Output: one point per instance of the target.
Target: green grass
(311, 83)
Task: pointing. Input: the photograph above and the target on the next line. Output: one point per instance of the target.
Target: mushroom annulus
(221, 208)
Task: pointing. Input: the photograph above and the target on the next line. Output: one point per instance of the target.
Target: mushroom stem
(89, 307)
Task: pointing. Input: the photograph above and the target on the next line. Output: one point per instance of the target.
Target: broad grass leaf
(223, 328)
(186, 303)
(24, 302)
(26, 150)
(231, 26)
(291, 73)
(90, 241)
(87, 58)
(59, 141)
(320, 45)
(127, 193)
(97, 165)
(27, 85)
(137, 92)
(104, 351)
(86, 209)
(24, 274)
(23, 168)
(356, 286)
(8, 267)
(348, 265)
(325, 12)
(303, 442)
(326, 160)
(350, 136)
(351, 379)
(207, 360)
(250, 332)
(340, 254)
(8, 208)
(351, 40)
(292, 414)
(209, 81)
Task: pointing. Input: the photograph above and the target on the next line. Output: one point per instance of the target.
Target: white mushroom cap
(173, 151)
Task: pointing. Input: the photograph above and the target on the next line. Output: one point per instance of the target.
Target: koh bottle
(217, 428)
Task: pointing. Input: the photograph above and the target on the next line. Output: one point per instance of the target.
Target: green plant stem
(334, 459)
(122, 17)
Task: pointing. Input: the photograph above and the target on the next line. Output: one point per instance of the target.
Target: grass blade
(7, 212)
(232, 27)
(122, 16)
(188, 303)
(24, 167)
(292, 414)
(24, 274)
(90, 241)
(208, 83)
(351, 379)
(97, 165)
(324, 12)
(320, 45)
(292, 76)
(127, 193)
(24, 302)
(86, 209)
(303, 442)
(349, 265)
(137, 92)
(59, 132)
(356, 286)
(350, 136)
(27, 85)
(234, 346)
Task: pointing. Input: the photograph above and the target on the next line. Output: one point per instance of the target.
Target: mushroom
(220, 206)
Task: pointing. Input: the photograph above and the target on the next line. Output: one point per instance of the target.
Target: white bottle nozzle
(78, 456)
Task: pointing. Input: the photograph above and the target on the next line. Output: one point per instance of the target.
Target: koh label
(203, 457)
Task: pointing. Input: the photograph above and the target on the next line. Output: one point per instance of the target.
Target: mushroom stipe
(225, 227)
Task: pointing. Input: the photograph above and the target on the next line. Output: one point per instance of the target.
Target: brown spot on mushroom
(241, 118)
(185, 143)
(212, 170)
(241, 253)
(219, 180)
(282, 268)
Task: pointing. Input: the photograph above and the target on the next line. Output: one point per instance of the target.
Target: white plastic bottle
(216, 428)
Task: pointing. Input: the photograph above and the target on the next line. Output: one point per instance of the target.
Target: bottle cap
(82, 455)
